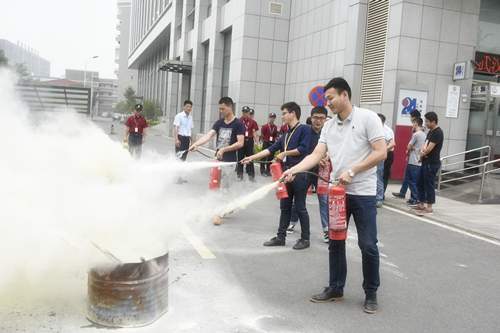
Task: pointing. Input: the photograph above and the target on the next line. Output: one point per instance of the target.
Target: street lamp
(85, 73)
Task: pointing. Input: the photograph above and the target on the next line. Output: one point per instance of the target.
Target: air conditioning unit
(275, 8)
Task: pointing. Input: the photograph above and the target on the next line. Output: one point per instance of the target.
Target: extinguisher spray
(276, 172)
(214, 176)
(337, 212)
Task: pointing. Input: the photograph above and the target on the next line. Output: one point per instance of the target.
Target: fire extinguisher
(214, 177)
(310, 190)
(324, 172)
(276, 172)
(337, 212)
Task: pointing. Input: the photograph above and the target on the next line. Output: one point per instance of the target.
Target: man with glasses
(294, 146)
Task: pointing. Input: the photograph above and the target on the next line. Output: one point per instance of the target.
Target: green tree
(151, 109)
(121, 107)
(4, 61)
(22, 72)
(129, 95)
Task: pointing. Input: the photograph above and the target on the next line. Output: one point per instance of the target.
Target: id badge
(137, 129)
(246, 133)
(271, 139)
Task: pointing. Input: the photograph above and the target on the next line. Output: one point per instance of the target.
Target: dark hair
(187, 101)
(319, 109)
(381, 116)
(419, 121)
(309, 121)
(292, 107)
(415, 114)
(432, 117)
(277, 134)
(227, 101)
(338, 84)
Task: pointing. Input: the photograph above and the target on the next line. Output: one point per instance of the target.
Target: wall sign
(453, 102)
(488, 63)
(460, 70)
(495, 90)
(317, 96)
(410, 99)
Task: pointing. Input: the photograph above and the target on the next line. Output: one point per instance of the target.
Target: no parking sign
(317, 96)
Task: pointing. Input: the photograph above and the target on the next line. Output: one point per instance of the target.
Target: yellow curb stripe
(198, 245)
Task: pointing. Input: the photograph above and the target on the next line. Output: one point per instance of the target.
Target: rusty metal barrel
(128, 295)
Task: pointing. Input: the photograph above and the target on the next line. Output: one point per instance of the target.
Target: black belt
(184, 136)
(135, 134)
(288, 166)
(248, 139)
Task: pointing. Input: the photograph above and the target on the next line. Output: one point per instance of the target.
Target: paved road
(434, 279)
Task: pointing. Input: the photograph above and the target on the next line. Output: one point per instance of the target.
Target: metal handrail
(458, 154)
(484, 173)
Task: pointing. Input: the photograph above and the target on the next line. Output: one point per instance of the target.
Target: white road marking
(444, 226)
(196, 242)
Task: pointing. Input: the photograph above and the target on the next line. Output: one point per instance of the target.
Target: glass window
(488, 33)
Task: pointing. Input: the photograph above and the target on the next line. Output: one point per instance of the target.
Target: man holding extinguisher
(356, 144)
(294, 145)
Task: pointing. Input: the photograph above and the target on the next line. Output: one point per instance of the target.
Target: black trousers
(387, 168)
(184, 146)
(245, 151)
(266, 167)
(135, 144)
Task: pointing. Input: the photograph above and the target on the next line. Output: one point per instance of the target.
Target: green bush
(152, 123)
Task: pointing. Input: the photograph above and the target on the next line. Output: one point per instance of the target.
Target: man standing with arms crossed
(183, 131)
(294, 145)
(251, 140)
(356, 144)
(267, 134)
(230, 133)
(431, 162)
(135, 133)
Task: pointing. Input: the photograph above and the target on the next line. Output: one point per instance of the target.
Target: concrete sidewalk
(483, 220)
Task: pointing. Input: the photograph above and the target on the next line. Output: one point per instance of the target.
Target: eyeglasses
(284, 113)
(319, 118)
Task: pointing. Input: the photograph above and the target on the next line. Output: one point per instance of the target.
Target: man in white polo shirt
(184, 124)
(356, 144)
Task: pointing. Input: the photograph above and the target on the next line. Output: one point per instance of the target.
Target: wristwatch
(351, 173)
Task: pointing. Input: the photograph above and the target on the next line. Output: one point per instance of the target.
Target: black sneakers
(302, 244)
(329, 294)
(398, 195)
(275, 241)
(371, 305)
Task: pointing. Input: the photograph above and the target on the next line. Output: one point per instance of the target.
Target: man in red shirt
(267, 134)
(250, 141)
(284, 128)
(136, 131)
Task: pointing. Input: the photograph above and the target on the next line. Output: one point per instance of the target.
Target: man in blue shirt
(294, 146)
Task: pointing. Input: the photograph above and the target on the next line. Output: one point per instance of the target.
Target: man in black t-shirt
(430, 158)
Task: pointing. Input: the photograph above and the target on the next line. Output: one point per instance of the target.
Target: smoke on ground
(65, 182)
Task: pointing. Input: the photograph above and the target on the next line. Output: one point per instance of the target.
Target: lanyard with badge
(246, 126)
(137, 124)
(271, 131)
(288, 141)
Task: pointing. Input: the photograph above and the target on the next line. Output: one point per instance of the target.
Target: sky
(65, 32)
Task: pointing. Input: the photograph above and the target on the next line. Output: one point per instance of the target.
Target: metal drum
(128, 295)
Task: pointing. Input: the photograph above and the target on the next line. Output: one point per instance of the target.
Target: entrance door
(484, 119)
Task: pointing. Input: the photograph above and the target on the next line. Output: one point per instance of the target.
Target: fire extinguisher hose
(335, 182)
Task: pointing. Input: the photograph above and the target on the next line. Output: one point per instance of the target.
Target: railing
(481, 165)
(483, 176)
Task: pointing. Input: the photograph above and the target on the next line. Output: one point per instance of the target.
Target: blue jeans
(380, 181)
(297, 191)
(411, 176)
(323, 210)
(425, 182)
(405, 185)
(364, 211)
(294, 219)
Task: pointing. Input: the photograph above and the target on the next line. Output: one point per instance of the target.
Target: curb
(448, 223)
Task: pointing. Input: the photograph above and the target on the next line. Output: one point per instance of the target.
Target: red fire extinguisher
(337, 221)
(322, 187)
(310, 190)
(214, 177)
(276, 172)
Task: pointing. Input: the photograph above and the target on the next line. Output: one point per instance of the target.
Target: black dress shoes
(326, 296)
(275, 241)
(371, 305)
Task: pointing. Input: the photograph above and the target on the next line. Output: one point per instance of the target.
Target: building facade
(397, 55)
(105, 89)
(18, 54)
(126, 77)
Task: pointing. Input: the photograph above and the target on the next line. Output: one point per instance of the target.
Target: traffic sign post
(317, 96)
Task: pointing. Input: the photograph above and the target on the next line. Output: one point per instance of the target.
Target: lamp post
(85, 82)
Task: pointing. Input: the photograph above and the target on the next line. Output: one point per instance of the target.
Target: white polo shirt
(184, 122)
(349, 143)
